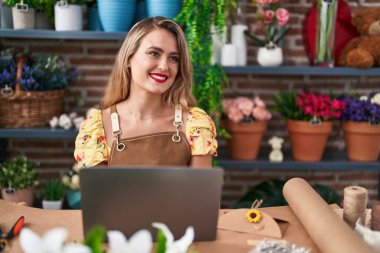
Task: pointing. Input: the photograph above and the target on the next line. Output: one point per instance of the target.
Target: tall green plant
(197, 17)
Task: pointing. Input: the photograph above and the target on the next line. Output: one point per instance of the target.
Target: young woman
(147, 116)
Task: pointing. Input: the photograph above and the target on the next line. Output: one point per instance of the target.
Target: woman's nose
(163, 64)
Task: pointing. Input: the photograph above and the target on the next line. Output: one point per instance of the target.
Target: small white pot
(68, 17)
(52, 205)
(229, 55)
(270, 56)
(23, 19)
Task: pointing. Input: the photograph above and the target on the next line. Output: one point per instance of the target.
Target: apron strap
(177, 122)
(116, 131)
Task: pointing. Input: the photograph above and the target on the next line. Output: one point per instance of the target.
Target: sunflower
(253, 215)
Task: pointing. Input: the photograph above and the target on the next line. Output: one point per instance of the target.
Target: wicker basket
(23, 109)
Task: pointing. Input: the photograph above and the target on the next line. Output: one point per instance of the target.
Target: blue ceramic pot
(73, 198)
(141, 11)
(165, 8)
(116, 15)
(93, 19)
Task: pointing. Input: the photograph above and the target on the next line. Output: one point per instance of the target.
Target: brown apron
(165, 148)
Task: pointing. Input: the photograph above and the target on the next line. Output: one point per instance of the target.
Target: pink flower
(235, 114)
(268, 16)
(282, 16)
(245, 105)
(264, 2)
(260, 113)
(259, 102)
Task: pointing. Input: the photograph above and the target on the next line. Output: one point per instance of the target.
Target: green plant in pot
(18, 177)
(197, 17)
(54, 193)
(23, 12)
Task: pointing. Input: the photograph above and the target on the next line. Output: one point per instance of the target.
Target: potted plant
(361, 127)
(33, 86)
(116, 16)
(71, 181)
(18, 177)
(208, 77)
(246, 121)
(53, 195)
(23, 13)
(309, 121)
(271, 21)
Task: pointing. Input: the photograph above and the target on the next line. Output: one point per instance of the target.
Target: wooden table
(40, 220)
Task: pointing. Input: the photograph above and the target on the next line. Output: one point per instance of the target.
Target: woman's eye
(174, 59)
(154, 53)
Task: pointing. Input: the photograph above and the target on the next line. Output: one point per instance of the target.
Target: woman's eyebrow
(161, 50)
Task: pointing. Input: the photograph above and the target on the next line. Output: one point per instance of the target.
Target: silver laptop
(131, 198)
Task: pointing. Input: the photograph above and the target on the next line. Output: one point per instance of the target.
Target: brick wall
(94, 60)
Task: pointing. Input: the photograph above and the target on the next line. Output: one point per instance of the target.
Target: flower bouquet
(33, 86)
(246, 121)
(361, 127)
(309, 121)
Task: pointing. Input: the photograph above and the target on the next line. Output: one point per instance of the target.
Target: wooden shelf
(302, 71)
(44, 133)
(69, 35)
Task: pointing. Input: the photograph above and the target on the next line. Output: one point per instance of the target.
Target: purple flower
(361, 110)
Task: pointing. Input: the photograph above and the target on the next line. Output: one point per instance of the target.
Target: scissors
(14, 231)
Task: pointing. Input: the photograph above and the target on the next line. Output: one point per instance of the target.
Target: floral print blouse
(91, 147)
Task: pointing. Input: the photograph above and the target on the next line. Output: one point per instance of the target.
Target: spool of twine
(354, 204)
(375, 217)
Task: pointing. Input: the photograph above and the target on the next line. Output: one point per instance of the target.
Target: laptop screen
(131, 198)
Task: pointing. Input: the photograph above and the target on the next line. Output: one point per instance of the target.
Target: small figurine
(276, 153)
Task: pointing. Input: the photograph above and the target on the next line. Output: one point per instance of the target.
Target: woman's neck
(145, 109)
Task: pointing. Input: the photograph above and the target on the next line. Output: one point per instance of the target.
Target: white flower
(53, 122)
(140, 242)
(376, 99)
(363, 98)
(371, 237)
(179, 246)
(64, 121)
(51, 242)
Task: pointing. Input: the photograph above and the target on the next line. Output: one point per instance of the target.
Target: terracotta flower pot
(362, 141)
(308, 141)
(19, 195)
(245, 139)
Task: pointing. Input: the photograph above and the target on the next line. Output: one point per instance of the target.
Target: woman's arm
(201, 161)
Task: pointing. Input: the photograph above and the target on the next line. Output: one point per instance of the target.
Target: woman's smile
(158, 77)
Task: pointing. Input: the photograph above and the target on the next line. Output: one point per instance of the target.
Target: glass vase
(324, 43)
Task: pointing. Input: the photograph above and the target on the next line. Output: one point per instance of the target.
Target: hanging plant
(197, 17)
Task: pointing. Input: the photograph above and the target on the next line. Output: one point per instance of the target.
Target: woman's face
(155, 64)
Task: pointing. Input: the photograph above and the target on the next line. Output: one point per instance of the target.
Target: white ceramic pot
(52, 205)
(68, 17)
(229, 55)
(270, 56)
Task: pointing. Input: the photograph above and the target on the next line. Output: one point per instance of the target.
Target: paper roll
(354, 204)
(330, 233)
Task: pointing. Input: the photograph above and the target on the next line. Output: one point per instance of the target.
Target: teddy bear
(364, 51)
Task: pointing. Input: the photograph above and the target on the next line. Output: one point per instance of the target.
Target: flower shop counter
(41, 220)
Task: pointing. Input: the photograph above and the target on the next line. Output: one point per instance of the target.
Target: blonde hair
(119, 83)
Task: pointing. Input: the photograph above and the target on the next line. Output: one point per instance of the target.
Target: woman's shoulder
(197, 116)
(93, 120)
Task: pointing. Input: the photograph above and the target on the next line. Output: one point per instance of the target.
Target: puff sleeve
(201, 133)
(90, 145)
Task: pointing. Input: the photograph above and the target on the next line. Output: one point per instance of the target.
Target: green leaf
(161, 242)
(258, 42)
(95, 239)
